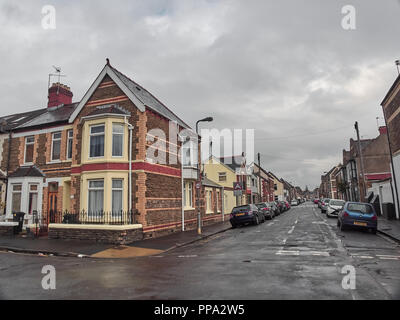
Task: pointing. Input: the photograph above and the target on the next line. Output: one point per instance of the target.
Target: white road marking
(284, 241)
(362, 257)
(192, 256)
(291, 230)
(387, 258)
(270, 224)
(302, 253)
(296, 221)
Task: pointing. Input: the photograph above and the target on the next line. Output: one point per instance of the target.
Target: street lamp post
(198, 185)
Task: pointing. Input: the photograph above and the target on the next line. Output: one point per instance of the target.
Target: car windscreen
(359, 207)
(241, 209)
(336, 203)
(261, 205)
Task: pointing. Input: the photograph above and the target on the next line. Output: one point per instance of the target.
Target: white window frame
(95, 189)
(190, 194)
(114, 124)
(95, 135)
(70, 138)
(13, 192)
(122, 198)
(33, 192)
(52, 145)
(222, 174)
(28, 144)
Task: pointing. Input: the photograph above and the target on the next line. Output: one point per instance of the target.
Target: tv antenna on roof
(58, 75)
(397, 62)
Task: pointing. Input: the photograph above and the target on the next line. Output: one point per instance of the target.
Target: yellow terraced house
(223, 171)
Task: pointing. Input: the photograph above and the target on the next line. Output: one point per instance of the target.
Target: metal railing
(84, 217)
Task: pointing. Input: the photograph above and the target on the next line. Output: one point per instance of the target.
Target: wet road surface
(298, 255)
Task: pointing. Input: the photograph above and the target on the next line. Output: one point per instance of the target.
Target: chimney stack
(383, 130)
(59, 94)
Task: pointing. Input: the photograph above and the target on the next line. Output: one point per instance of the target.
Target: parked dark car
(287, 204)
(246, 214)
(358, 215)
(274, 208)
(266, 209)
(280, 206)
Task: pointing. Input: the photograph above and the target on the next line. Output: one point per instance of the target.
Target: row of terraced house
(370, 171)
(87, 169)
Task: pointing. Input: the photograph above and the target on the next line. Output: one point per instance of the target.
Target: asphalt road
(298, 255)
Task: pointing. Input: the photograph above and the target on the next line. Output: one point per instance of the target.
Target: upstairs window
(117, 140)
(56, 146)
(70, 140)
(222, 176)
(29, 146)
(97, 141)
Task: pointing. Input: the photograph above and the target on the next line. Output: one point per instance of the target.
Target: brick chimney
(59, 94)
(383, 130)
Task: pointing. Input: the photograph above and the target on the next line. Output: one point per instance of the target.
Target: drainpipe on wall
(8, 169)
(130, 205)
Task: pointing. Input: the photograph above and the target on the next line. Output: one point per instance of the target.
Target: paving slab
(390, 228)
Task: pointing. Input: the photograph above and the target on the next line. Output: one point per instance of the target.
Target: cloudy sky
(284, 68)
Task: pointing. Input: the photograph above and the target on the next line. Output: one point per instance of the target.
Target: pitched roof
(232, 162)
(136, 93)
(31, 171)
(148, 99)
(209, 183)
(50, 115)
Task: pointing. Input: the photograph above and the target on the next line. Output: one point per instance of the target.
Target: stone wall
(114, 235)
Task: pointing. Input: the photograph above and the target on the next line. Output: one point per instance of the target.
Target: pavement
(390, 228)
(80, 248)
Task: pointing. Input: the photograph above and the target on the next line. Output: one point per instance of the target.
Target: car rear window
(336, 203)
(241, 209)
(359, 207)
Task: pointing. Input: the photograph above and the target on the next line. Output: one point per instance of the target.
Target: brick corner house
(91, 169)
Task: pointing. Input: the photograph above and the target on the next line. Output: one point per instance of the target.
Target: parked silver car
(324, 204)
(333, 207)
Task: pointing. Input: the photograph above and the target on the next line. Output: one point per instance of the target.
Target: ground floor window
(96, 197)
(33, 198)
(117, 196)
(16, 198)
(218, 206)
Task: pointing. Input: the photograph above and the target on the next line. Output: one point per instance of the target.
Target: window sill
(189, 208)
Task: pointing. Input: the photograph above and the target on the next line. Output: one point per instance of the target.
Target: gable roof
(209, 183)
(31, 171)
(136, 93)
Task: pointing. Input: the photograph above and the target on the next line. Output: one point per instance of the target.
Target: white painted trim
(106, 71)
(95, 226)
(8, 224)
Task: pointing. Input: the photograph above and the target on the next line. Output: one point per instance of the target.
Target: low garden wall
(118, 235)
(7, 229)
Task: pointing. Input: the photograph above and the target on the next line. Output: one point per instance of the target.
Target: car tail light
(374, 218)
(232, 215)
(345, 214)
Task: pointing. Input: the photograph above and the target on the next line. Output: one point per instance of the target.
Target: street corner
(125, 252)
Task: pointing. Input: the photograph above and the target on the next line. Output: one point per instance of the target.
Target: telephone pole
(361, 162)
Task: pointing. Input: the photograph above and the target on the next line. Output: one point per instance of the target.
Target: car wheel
(256, 221)
(233, 225)
(342, 227)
